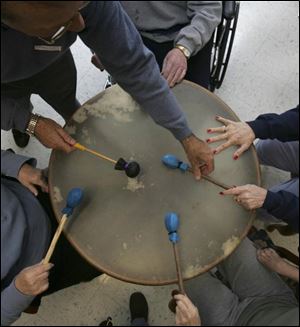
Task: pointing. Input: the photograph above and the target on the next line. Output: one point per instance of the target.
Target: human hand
(33, 280)
(249, 196)
(235, 133)
(174, 67)
(186, 313)
(198, 152)
(30, 176)
(53, 136)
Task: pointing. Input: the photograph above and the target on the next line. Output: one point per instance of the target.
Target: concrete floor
(263, 76)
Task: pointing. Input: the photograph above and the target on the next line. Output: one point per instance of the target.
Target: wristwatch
(32, 123)
(184, 50)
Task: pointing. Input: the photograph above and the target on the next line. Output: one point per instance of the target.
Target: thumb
(43, 184)
(32, 189)
(66, 137)
(196, 171)
(239, 151)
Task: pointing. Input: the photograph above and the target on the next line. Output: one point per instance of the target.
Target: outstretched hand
(233, 133)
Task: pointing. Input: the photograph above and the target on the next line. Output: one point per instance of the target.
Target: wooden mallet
(173, 162)
(73, 200)
(172, 224)
(131, 168)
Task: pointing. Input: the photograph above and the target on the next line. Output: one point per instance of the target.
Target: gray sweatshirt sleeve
(15, 113)
(205, 16)
(11, 163)
(112, 35)
(13, 303)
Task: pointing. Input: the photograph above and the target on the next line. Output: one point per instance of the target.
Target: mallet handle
(213, 181)
(83, 148)
(178, 269)
(55, 238)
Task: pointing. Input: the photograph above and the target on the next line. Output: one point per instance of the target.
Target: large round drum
(119, 228)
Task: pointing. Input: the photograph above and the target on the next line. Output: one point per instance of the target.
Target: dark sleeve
(285, 206)
(284, 127)
(11, 163)
(112, 36)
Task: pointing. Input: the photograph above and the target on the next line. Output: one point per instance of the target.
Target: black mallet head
(132, 168)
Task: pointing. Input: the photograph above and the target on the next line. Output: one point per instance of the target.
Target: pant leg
(160, 50)
(281, 155)
(199, 66)
(248, 278)
(57, 85)
(217, 304)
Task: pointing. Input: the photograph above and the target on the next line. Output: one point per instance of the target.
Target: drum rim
(146, 281)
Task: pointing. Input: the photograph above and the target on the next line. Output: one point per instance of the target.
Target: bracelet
(32, 124)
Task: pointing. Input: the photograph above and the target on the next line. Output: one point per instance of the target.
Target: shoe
(21, 139)
(138, 306)
(107, 322)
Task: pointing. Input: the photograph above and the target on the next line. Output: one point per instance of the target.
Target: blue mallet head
(73, 200)
(173, 162)
(172, 224)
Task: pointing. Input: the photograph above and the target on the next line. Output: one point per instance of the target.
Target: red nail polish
(209, 130)
(217, 117)
(215, 151)
(235, 157)
(221, 193)
(208, 140)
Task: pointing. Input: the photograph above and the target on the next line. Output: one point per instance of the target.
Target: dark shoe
(107, 322)
(138, 306)
(21, 139)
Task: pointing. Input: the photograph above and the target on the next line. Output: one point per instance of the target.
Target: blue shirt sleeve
(284, 127)
(113, 37)
(285, 206)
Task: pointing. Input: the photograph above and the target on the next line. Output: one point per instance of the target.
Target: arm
(11, 163)
(284, 127)
(113, 37)
(204, 16)
(23, 169)
(30, 282)
(283, 205)
(13, 303)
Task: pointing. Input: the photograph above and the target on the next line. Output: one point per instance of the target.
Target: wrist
(31, 126)
(186, 52)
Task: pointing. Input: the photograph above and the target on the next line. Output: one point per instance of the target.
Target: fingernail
(235, 157)
(221, 193)
(198, 178)
(215, 151)
(209, 130)
(208, 140)
(217, 117)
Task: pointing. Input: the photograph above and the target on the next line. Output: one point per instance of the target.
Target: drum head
(119, 227)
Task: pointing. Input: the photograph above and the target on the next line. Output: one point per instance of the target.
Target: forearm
(204, 16)
(284, 127)
(122, 53)
(13, 303)
(11, 163)
(285, 206)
